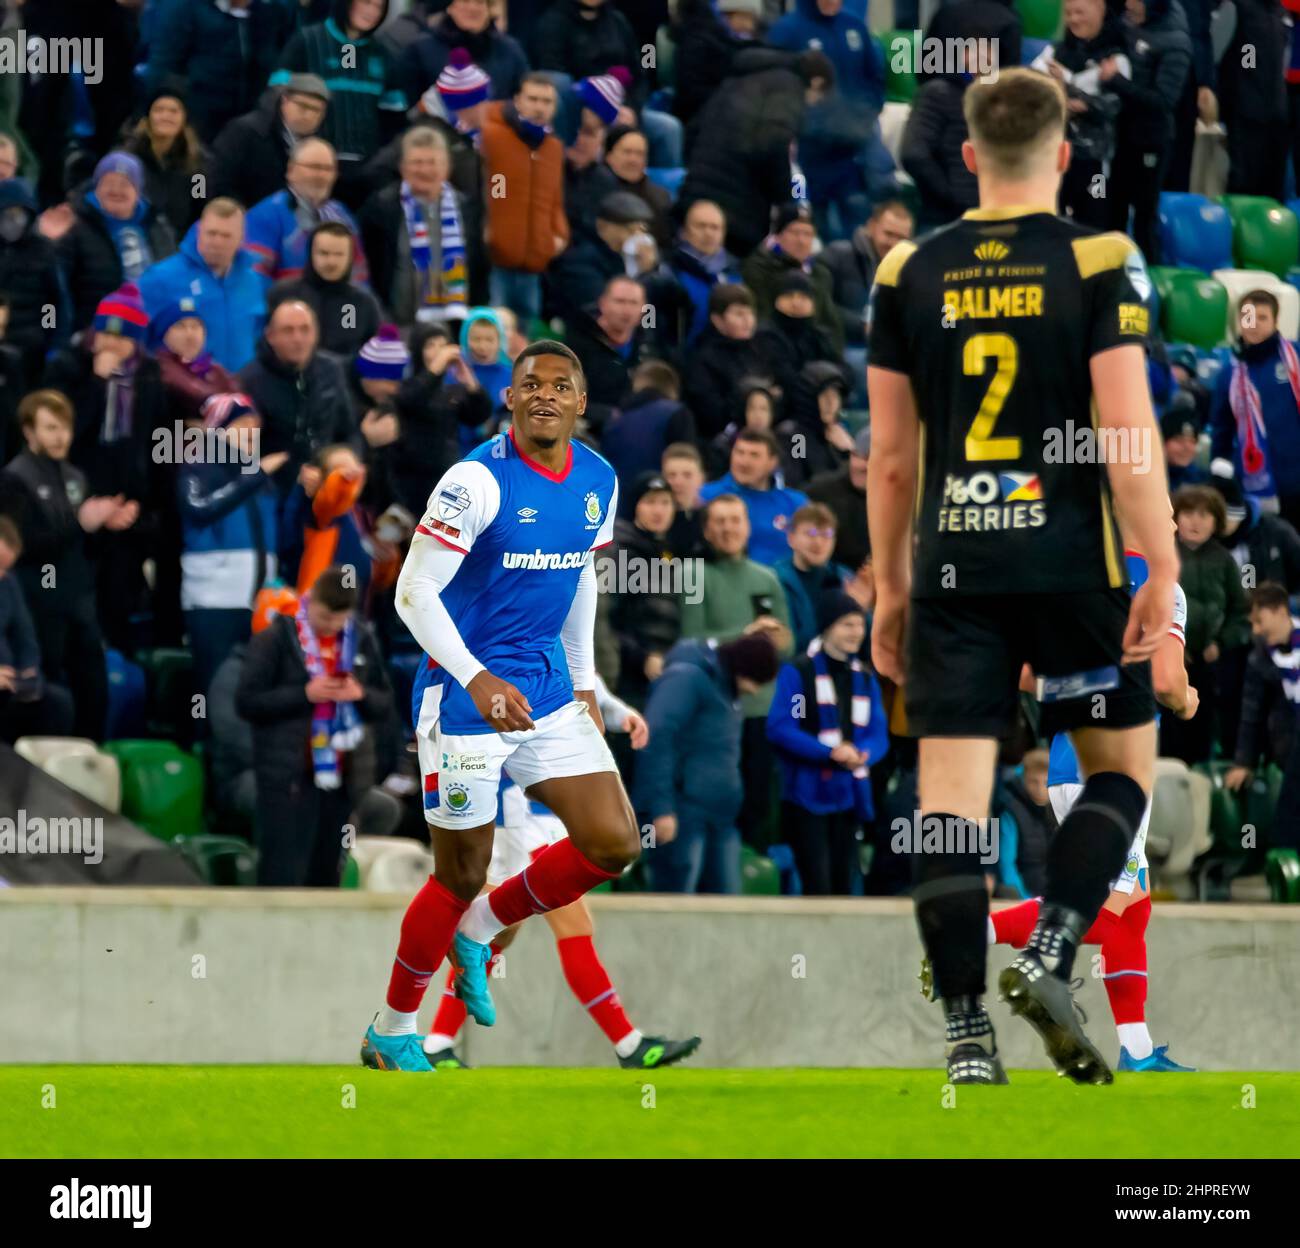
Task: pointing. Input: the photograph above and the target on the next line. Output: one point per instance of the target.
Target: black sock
(968, 1022)
(952, 907)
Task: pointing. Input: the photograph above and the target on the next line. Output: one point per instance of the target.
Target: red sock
(557, 876)
(1102, 926)
(450, 1017)
(427, 928)
(1125, 958)
(590, 983)
(1013, 925)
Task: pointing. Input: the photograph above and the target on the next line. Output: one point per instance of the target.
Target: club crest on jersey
(456, 798)
(592, 510)
(991, 249)
(452, 500)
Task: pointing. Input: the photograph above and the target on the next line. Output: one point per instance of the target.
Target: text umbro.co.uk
(539, 560)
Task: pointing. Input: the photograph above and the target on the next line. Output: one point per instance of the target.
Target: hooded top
(494, 377)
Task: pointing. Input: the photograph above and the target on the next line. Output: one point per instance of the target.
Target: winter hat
(794, 282)
(122, 313)
(834, 605)
(384, 357)
(307, 84)
(1179, 418)
(178, 310)
(220, 410)
(1225, 481)
(604, 93)
(462, 84)
(124, 163)
(752, 656)
(648, 483)
(172, 87)
(789, 212)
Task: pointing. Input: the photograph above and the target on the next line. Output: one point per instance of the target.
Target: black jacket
(606, 367)
(1270, 545)
(92, 266)
(1160, 53)
(646, 622)
(1256, 92)
(272, 696)
(341, 333)
(931, 151)
(602, 182)
(836, 490)
(576, 277)
(497, 55)
(1268, 719)
(30, 276)
(991, 20)
(570, 43)
(705, 50)
(852, 264)
(169, 184)
(717, 365)
(789, 343)
(383, 231)
(302, 412)
(250, 155)
(1092, 132)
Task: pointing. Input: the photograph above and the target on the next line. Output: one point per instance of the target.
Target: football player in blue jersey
(499, 589)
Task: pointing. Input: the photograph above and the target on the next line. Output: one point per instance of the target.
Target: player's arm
(1169, 679)
(577, 634)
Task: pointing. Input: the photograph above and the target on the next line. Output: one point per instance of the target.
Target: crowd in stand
(262, 283)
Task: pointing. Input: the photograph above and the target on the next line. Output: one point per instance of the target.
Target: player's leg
(449, 1018)
(590, 983)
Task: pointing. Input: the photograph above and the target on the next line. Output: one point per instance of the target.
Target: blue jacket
(1281, 418)
(769, 512)
(19, 648)
(803, 608)
(279, 245)
(859, 61)
(808, 777)
(232, 307)
(693, 758)
(228, 534)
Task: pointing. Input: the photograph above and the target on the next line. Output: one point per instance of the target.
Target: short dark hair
(332, 227)
(1201, 498)
(727, 295)
(890, 205)
(682, 450)
(335, 589)
(1265, 297)
(10, 536)
(1269, 596)
(537, 79)
(550, 346)
(761, 436)
(657, 375)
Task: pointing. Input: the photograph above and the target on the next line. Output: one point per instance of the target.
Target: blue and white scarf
(828, 718)
(443, 296)
(335, 726)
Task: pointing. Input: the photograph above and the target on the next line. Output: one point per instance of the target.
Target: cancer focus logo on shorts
(456, 799)
(464, 762)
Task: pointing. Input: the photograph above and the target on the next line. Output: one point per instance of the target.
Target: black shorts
(965, 654)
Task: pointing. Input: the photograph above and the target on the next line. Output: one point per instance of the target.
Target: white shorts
(521, 835)
(1063, 796)
(463, 773)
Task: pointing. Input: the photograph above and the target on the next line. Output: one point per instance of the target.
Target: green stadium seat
(1040, 19)
(759, 876)
(1265, 235)
(900, 50)
(162, 787)
(1283, 871)
(1193, 306)
(222, 861)
(1258, 801)
(351, 874)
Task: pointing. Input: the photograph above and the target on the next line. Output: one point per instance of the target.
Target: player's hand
(1236, 777)
(636, 728)
(1190, 703)
(888, 627)
(665, 829)
(1149, 618)
(500, 703)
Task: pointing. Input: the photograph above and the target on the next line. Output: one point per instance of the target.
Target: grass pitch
(346, 1111)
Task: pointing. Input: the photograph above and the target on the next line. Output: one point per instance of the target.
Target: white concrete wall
(113, 975)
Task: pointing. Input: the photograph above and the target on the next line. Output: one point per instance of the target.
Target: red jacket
(525, 195)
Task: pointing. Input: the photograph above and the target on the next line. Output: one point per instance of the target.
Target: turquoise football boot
(1159, 1060)
(394, 1052)
(471, 961)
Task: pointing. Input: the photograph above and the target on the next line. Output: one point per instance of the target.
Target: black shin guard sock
(952, 909)
(968, 1022)
(1083, 859)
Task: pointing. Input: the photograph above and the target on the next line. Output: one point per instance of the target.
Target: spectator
(31, 278)
(175, 164)
(189, 374)
(845, 493)
(791, 339)
(50, 502)
(1160, 55)
(740, 158)
(228, 523)
(1199, 102)
(1253, 100)
(858, 61)
(624, 169)
(635, 439)
(1217, 625)
(996, 22)
(789, 249)
(1184, 378)
(689, 783)
(931, 150)
(367, 104)
(754, 462)
(620, 247)
(212, 268)
(251, 155)
(852, 261)
(1265, 547)
(526, 227)
(758, 406)
(278, 230)
(737, 597)
(581, 38)
(463, 91)
(12, 387)
(597, 102)
(482, 347)
(826, 755)
(301, 395)
(610, 345)
(377, 373)
(1270, 708)
(683, 469)
(645, 612)
(725, 355)
(814, 439)
(1182, 439)
(28, 706)
(698, 263)
(466, 24)
(116, 237)
(708, 36)
(423, 239)
(348, 314)
(225, 49)
(808, 572)
(1025, 827)
(1255, 411)
(313, 688)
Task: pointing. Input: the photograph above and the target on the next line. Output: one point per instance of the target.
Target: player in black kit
(1011, 420)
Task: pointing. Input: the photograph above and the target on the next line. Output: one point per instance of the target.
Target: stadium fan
(754, 478)
(696, 263)
(1255, 538)
(620, 247)
(808, 573)
(611, 344)
(845, 493)
(789, 249)
(724, 355)
(32, 280)
(172, 157)
(465, 24)
(314, 687)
